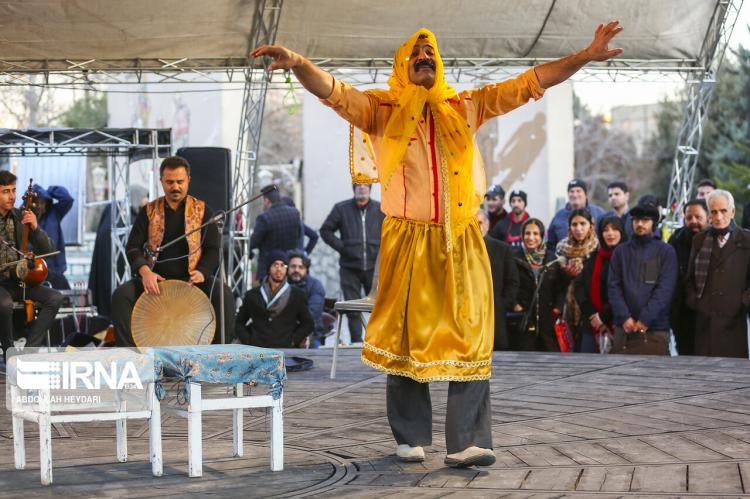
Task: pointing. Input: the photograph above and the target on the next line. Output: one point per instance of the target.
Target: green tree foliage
(87, 112)
(725, 152)
(725, 149)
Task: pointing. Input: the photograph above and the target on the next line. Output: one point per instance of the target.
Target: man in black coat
(279, 227)
(682, 318)
(504, 280)
(274, 314)
(11, 228)
(358, 222)
(718, 282)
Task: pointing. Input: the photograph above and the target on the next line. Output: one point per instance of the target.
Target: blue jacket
(558, 227)
(60, 203)
(316, 298)
(642, 279)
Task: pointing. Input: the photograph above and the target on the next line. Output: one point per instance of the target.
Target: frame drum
(181, 315)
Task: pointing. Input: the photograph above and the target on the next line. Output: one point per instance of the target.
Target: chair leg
(277, 435)
(195, 431)
(45, 438)
(121, 430)
(237, 426)
(19, 446)
(336, 345)
(154, 435)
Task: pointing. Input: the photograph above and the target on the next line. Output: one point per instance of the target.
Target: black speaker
(211, 175)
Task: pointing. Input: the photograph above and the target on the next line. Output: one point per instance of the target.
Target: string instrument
(33, 270)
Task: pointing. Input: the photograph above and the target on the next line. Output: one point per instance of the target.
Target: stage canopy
(96, 37)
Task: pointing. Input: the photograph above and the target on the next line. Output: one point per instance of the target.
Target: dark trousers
(467, 423)
(352, 282)
(124, 298)
(49, 301)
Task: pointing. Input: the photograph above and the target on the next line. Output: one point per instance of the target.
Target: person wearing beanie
(54, 203)
(279, 227)
(718, 282)
(590, 287)
(274, 314)
(508, 229)
(642, 279)
(577, 198)
(494, 205)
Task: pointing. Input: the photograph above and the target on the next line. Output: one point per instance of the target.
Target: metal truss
(120, 146)
(700, 91)
(93, 73)
(265, 27)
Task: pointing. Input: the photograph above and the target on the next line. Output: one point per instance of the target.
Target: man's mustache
(425, 63)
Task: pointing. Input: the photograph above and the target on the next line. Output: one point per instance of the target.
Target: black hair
(696, 202)
(706, 182)
(580, 212)
(298, 254)
(616, 223)
(7, 178)
(173, 162)
(273, 196)
(618, 184)
(534, 221)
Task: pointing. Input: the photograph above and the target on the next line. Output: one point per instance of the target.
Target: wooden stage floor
(564, 425)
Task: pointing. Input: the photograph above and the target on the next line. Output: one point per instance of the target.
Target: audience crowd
(590, 281)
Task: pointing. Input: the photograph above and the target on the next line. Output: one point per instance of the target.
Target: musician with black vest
(194, 259)
(12, 221)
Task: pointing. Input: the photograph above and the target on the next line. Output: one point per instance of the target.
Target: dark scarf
(596, 297)
(703, 260)
(275, 302)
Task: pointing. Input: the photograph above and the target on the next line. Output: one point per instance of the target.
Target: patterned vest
(194, 211)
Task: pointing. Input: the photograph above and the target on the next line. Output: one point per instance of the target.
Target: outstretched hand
(283, 58)
(599, 49)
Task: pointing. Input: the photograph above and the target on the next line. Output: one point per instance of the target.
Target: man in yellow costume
(433, 315)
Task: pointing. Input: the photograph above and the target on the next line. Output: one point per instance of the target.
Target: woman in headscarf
(533, 329)
(591, 286)
(572, 252)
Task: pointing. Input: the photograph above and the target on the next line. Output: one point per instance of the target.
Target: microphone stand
(219, 219)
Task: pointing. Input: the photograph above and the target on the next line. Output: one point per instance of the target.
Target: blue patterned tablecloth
(226, 364)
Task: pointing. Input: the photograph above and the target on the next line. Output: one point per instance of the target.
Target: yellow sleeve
(355, 106)
(499, 98)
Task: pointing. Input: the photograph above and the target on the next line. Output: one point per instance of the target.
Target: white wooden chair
(197, 405)
(46, 410)
(361, 305)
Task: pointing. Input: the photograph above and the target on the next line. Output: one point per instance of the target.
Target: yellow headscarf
(455, 138)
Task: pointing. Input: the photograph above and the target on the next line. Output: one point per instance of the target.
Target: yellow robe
(433, 317)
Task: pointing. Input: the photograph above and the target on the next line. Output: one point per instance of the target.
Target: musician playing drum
(194, 259)
(13, 223)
